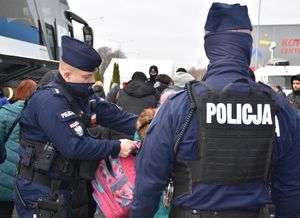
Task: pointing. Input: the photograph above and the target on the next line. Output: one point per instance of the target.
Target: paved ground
(96, 216)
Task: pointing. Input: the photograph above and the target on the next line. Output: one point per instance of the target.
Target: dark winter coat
(134, 98)
(294, 97)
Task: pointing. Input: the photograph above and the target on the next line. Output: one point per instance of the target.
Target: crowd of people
(221, 147)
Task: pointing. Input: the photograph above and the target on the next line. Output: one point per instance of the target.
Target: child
(142, 125)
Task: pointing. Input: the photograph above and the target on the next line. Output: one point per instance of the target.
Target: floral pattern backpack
(113, 186)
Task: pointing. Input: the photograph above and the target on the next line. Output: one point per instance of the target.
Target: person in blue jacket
(56, 148)
(236, 158)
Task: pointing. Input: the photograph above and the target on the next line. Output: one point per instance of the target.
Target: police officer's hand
(127, 146)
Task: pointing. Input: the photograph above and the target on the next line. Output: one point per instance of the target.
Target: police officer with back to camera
(56, 148)
(230, 147)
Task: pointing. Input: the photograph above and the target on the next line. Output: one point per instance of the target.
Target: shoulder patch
(66, 114)
(77, 128)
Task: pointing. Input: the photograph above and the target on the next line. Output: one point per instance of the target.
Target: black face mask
(153, 76)
(82, 90)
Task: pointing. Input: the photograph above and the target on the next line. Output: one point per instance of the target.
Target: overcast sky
(167, 29)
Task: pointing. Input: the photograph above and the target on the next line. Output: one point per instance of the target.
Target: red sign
(290, 46)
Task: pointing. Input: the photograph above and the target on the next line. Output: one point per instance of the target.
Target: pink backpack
(113, 189)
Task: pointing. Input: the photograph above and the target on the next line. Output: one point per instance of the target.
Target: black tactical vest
(236, 137)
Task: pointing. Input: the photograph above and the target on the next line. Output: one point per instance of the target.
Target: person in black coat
(294, 97)
(137, 94)
(153, 72)
(134, 98)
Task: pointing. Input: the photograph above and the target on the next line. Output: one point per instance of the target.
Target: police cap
(79, 54)
(222, 17)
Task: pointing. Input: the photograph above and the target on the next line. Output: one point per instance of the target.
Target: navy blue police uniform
(56, 119)
(200, 189)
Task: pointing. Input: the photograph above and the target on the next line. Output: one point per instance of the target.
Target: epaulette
(55, 91)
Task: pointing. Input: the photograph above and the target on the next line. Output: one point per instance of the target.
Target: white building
(128, 66)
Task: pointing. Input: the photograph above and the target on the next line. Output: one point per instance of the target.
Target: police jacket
(9, 114)
(155, 159)
(48, 117)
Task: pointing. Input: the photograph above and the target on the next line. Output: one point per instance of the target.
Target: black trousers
(178, 212)
(83, 203)
(6, 209)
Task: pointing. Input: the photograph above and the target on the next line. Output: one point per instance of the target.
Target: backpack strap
(11, 128)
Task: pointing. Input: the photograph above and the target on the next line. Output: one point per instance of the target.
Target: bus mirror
(88, 35)
(72, 16)
(87, 30)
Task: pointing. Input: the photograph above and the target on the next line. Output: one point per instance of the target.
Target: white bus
(30, 33)
(277, 75)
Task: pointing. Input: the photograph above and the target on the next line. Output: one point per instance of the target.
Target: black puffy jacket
(134, 98)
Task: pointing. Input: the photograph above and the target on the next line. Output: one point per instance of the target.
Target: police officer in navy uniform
(55, 144)
(239, 155)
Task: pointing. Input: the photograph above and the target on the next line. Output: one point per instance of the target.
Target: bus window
(283, 81)
(19, 17)
(51, 39)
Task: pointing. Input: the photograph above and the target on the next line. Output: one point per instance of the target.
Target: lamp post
(95, 19)
(257, 34)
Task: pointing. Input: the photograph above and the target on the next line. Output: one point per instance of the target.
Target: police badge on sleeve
(77, 128)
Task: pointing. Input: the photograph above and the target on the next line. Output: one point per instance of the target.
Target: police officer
(234, 148)
(54, 140)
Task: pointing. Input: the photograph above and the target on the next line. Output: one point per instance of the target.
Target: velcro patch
(66, 114)
(77, 128)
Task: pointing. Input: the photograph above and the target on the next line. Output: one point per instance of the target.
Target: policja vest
(236, 137)
(41, 158)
